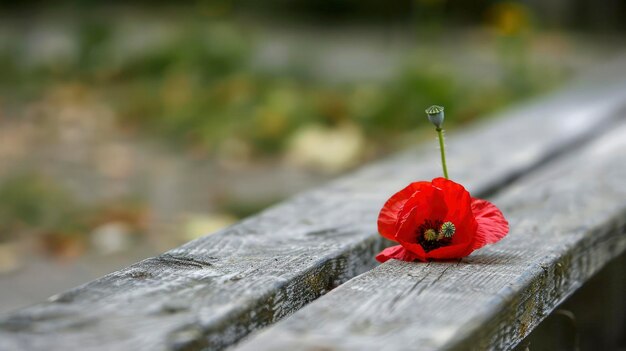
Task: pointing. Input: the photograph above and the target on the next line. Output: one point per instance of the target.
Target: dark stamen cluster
(429, 245)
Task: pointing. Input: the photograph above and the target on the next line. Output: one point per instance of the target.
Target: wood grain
(567, 221)
(215, 290)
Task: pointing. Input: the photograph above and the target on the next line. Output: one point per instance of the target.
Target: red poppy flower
(438, 220)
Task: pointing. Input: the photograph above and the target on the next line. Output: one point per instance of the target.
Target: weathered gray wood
(567, 221)
(213, 291)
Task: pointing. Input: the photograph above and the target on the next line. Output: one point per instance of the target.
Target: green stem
(442, 148)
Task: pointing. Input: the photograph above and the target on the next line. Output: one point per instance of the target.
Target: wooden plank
(213, 291)
(567, 221)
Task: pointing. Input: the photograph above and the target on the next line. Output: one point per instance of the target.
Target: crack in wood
(183, 261)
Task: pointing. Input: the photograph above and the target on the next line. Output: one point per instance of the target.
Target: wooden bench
(567, 221)
(560, 186)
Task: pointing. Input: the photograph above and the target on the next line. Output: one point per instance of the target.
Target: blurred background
(126, 130)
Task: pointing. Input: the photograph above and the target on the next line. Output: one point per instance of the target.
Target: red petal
(397, 252)
(415, 250)
(451, 251)
(388, 217)
(458, 200)
(407, 236)
(492, 226)
(429, 201)
(407, 231)
(459, 213)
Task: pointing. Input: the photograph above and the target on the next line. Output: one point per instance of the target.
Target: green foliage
(198, 88)
(93, 40)
(35, 202)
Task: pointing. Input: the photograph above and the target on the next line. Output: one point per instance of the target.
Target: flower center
(433, 234)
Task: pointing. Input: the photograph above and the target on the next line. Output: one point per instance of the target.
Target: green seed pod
(435, 115)
(447, 229)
